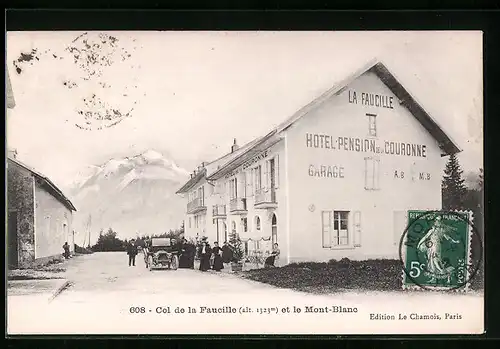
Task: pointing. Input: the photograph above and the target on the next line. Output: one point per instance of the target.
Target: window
(257, 223)
(244, 223)
(258, 178)
(274, 230)
(233, 189)
(243, 187)
(372, 173)
(233, 228)
(335, 229)
(250, 175)
(201, 195)
(189, 222)
(372, 124)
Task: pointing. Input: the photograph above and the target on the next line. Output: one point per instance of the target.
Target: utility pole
(89, 224)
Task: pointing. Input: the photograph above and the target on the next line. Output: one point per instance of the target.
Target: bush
(237, 248)
(379, 274)
(82, 250)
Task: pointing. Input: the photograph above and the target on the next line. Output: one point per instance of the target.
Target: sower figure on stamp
(131, 252)
(431, 245)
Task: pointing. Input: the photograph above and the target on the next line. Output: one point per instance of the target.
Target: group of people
(211, 258)
(214, 257)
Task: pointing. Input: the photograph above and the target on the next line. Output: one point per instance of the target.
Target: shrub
(382, 275)
(237, 247)
(82, 250)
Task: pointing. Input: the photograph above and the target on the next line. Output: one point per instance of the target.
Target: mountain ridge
(132, 194)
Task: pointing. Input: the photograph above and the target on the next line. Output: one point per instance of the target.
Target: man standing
(66, 250)
(132, 252)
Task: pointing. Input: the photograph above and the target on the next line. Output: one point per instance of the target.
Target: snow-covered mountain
(131, 195)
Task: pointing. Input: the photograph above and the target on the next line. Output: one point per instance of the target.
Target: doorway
(274, 230)
(13, 249)
(224, 226)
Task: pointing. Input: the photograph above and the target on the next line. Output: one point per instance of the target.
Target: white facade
(335, 180)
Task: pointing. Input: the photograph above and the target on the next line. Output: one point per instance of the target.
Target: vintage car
(161, 253)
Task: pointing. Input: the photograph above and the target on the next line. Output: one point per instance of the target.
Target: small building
(39, 217)
(333, 181)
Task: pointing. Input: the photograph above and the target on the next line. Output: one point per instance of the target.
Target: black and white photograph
(244, 182)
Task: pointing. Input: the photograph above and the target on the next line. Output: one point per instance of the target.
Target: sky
(196, 91)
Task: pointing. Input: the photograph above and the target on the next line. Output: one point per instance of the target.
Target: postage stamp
(436, 250)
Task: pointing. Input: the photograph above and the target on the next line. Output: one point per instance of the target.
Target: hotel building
(334, 180)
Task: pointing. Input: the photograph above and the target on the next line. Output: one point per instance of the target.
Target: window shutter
(277, 171)
(366, 173)
(250, 182)
(376, 176)
(326, 226)
(266, 176)
(357, 228)
(243, 178)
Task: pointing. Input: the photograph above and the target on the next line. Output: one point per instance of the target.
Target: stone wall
(20, 198)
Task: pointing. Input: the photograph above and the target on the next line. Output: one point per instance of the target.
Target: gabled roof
(192, 181)
(213, 166)
(11, 103)
(262, 144)
(53, 189)
(446, 144)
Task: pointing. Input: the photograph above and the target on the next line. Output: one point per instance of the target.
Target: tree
(453, 187)
(237, 247)
(108, 242)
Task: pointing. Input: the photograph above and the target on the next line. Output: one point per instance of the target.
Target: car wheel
(150, 263)
(174, 264)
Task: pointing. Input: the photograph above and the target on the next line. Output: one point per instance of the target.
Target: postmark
(435, 250)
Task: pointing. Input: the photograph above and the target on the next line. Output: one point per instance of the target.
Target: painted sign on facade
(364, 145)
(371, 99)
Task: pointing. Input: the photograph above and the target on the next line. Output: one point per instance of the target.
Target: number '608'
(137, 310)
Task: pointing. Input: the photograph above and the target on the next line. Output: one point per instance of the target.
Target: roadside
(49, 279)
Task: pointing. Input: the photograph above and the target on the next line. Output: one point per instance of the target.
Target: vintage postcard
(244, 182)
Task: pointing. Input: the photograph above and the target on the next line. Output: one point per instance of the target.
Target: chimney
(235, 146)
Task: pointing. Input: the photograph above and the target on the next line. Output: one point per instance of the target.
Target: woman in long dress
(431, 243)
(217, 251)
(273, 257)
(205, 253)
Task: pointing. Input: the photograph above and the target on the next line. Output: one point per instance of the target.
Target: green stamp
(435, 250)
